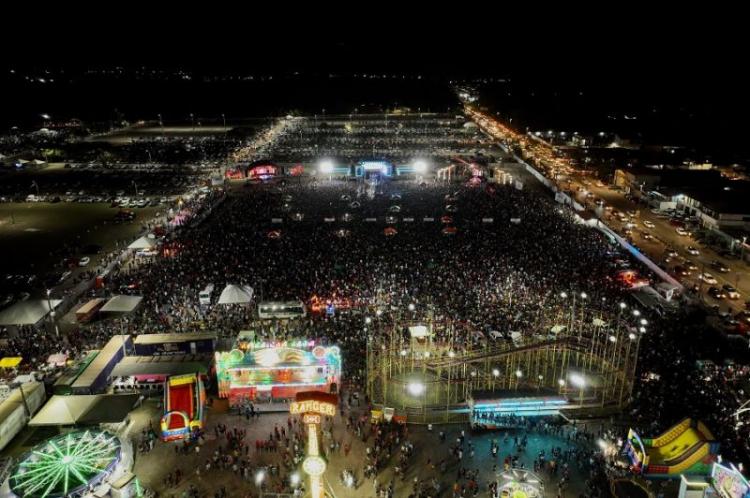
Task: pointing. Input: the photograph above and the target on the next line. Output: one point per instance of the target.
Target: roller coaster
(587, 364)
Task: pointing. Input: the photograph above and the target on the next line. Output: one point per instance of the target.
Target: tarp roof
(142, 243)
(181, 337)
(85, 409)
(122, 304)
(131, 369)
(27, 312)
(10, 361)
(236, 294)
(419, 331)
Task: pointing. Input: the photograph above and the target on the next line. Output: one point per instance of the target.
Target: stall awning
(10, 362)
(142, 243)
(85, 409)
(236, 294)
(121, 304)
(27, 312)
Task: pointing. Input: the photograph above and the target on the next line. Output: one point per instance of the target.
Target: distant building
(637, 179)
(720, 205)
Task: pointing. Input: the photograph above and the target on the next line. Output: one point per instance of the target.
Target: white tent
(236, 294)
(419, 331)
(63, 410)
(142, 243)
(121, 304)
(27, 312)
(85, 409)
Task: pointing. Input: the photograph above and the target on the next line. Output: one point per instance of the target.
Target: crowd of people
(482, 277)
(399, 139)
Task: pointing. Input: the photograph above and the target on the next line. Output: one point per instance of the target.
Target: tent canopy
(10, 361)
(85, 409)
(419, 331)
(142, 243)
(121, 304)
(27, 312)
(236, 294)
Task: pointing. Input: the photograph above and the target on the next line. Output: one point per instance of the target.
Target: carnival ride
(66, 465)
(571, 358)
(687, 448)
(520, 483)
(184, 407)
(276, 369)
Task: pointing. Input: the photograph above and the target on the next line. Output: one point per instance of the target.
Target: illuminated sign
(311, 418)
(280, 344)
(312, 406)
(314, 466)
(374, 166)
(729, 482)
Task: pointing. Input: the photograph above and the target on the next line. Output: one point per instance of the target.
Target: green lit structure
(66, 465)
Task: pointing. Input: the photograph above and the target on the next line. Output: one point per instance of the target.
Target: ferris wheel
(65, 465)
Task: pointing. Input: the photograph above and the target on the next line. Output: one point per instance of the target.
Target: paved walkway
(154, 466)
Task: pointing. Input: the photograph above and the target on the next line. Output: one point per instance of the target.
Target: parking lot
(680, 254)
(49, 233)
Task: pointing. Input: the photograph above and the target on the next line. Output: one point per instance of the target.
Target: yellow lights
(313, 406)
(267, 357)
(311, 418)
(314, 466)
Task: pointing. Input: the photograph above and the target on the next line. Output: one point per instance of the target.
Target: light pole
(224, 119)
(52, 313)
(578, 381)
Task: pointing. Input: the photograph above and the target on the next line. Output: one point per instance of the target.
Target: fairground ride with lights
(184, 407)
(263, 370)
(579, 358)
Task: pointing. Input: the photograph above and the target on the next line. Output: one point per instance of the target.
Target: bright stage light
(368, 320)
(495, 372)
(326, 166)
(314, 466)
(577, 380)
(420, 166)
(415, 388)
(259, 477)
(519, 374)
(411, 306)
(295, 479)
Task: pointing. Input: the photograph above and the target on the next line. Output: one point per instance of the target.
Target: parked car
(681, 231)
(716, 293)
(690, 265)
(84, 261)
(6, 300)
(648, 224)
(692, 250)
(680, 271)
(719, 266)
(708, 278)
(730, 292)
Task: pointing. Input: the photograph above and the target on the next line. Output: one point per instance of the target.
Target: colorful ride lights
(326, 166)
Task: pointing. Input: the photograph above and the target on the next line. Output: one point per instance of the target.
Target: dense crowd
(483, 277)
(399, 140)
